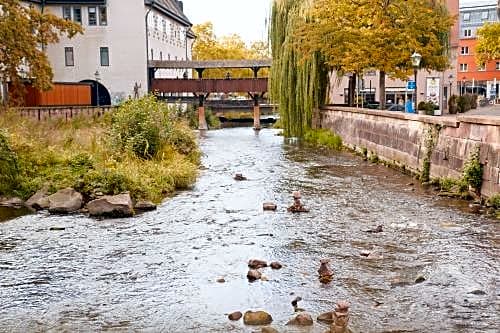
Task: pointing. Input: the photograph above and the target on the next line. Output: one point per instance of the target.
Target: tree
(24, 33)
(488, 45)
(209, 47)
(354, 36)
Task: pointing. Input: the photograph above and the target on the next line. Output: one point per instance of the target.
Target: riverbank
(140, 148)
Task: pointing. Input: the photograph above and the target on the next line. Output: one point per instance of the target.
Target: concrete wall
(400, 138)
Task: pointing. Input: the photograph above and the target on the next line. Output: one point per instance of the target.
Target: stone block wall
(400, 138)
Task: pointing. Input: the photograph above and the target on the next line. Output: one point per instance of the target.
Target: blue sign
(411, 85)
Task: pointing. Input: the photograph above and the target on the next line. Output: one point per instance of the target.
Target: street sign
(410, 85)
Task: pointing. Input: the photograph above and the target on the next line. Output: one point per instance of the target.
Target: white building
(120, 36)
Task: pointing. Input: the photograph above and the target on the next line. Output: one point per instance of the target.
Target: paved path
(490, 110)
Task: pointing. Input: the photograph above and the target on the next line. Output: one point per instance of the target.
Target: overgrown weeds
(323, 138)
(142, 148)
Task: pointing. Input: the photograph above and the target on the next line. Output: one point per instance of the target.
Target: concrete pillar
(202, 122)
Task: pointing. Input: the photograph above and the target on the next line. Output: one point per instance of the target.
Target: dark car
(396, 107)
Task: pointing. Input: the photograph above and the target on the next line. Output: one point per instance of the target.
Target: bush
(141, 126)
(494, 201)
(192, 116)
(323, 137)
(463, 103)
(473, 170)
(452, 104)
(9, 170)
(428, 107)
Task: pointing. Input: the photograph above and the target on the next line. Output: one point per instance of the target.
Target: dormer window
(466, 16)
(484, 15)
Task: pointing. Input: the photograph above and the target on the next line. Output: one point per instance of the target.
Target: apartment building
(483, 79)
(120, 36)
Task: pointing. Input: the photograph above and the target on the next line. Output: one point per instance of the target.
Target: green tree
(488, 46)
(24, 33)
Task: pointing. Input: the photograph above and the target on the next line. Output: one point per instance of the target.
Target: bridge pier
(256, 116)
(202, 121)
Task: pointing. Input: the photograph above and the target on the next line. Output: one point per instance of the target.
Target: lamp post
(97, 76)
(415, 61)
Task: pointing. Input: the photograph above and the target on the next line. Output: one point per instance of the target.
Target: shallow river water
(157, 272)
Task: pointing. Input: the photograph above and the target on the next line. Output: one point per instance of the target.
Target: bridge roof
(206, 64)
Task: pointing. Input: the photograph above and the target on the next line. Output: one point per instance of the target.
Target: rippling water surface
(158, 271)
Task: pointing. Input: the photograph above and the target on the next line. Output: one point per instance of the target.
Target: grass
(83, 154)
(323, 138)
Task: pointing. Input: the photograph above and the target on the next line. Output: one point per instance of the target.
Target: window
(484, 15)
(103, 15)
(152, 55)
(467, 32)
(69, 58)
(164, 23)
(161, 55)
(155, 21)
(66, 11)
(464, 67)
(481, 67)
(92, 16)
(497, 66)
(77, 14)
(466, 16)
(464, 50)
(104, 56)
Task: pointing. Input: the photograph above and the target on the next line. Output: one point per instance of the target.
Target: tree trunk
(352, 90)
(382, 90)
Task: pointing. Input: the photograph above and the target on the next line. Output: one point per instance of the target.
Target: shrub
(182, 139)
(8, 165)
(428, 107)
(463, 103)
(452, 104)
(141, 126)
(192, 116)
(494, 201)
(323, 137)
(473, 170)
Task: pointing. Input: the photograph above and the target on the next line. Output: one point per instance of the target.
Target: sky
(246, 18)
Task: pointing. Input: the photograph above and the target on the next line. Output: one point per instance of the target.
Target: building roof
(478, 3)
(171, 8)
(62, 2)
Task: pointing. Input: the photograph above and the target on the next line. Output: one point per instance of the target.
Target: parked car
(396, 107)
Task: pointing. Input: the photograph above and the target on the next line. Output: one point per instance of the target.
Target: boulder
(256, 263)
(276, 265)
(302, 319)
(253, 275)
(12, 203)
(64, 201)
(39, 201)
(144, 206)
(235, 316)
(239, 177)
(111, 206)
(257, 318)
(269, 206)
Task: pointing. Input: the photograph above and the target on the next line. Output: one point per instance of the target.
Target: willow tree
(297, 84)
(353, 36)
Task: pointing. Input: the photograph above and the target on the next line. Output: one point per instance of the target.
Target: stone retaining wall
(400, 138)
(63, 112)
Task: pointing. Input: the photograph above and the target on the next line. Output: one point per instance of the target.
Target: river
(158, 271)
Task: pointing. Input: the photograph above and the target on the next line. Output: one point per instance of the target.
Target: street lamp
(415, 61)
(97, 76)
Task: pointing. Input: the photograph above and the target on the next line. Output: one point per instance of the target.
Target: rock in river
(38, 200)
(253, 275)
(269, 206)
(268, 329)
(65, 201)
(144, 206)
(257, 318)
(256, 263)
(276, 265)
(235, 316)
(302, 319)
(12, 203)
(111, 206)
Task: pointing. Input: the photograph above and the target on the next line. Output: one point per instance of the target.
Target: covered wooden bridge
(201, 88)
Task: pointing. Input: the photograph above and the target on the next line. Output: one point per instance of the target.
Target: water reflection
(158, 271)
